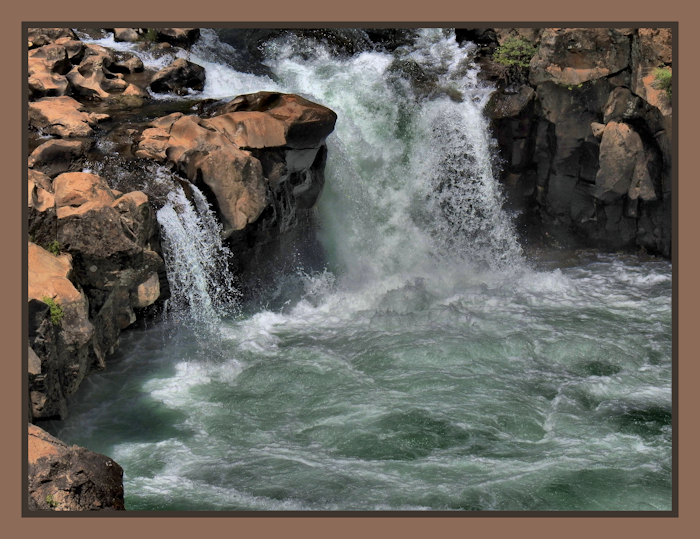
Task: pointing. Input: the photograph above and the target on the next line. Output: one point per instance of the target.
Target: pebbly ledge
(586, 139)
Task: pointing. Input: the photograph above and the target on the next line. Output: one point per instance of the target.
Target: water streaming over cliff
(202, 290)
(430, 366)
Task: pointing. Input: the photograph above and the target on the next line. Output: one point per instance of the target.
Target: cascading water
(429, 367)
(201, 287)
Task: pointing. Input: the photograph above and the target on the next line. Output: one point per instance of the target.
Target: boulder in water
(179, 77)
(180, 37)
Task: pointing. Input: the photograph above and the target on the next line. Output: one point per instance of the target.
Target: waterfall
(202, 288)
(410, 188)
(428, 367)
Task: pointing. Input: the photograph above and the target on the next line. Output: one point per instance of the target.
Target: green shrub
(54, 247)
(515, 54)
(663, 79)
(55, 310)
(51, 501)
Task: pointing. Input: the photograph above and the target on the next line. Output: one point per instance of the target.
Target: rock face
(63, 478)
(586, 145)
(109, 266)
(260, 158)
(61, 345)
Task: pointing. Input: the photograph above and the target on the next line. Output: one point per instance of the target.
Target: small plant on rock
(663, 80)
(515, 55)
(51, 501)
(54, 247)
(55, 310)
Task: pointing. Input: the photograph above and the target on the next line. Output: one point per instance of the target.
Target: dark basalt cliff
(586, 136)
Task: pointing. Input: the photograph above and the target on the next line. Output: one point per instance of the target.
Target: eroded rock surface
(108, 266)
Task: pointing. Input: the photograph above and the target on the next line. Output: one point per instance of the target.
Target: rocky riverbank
(95, 262)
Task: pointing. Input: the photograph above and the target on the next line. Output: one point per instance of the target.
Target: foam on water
(428, 367)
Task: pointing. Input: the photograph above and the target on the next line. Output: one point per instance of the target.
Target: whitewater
(431, 364)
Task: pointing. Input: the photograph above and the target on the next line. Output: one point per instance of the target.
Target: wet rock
(180, 37)
(63, 478)
(178, 77)
(127, 64)
(481, 36)
(423, 82)
(509, 103)
(390, 39)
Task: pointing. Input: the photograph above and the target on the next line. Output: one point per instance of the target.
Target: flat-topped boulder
(63, 117)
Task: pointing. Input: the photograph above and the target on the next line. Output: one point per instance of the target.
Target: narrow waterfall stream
(430, 366)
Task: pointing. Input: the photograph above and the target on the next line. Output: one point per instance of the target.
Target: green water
(549, 392)
(432, 366)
